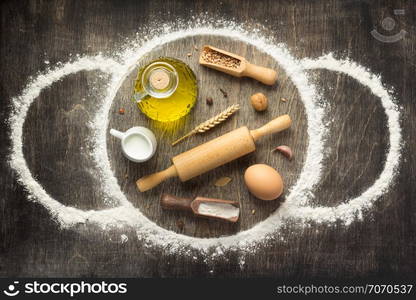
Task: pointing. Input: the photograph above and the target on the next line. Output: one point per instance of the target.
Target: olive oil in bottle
(165, 89)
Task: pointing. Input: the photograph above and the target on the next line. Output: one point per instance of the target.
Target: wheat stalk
(211, 123)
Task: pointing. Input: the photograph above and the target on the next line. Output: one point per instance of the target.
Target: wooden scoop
(203, 207)
(235, 65)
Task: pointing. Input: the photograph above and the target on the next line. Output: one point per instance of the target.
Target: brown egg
(263, 182)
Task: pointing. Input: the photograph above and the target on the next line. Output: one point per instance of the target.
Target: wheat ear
(211, 123)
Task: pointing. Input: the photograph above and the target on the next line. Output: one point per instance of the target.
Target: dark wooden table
(382, 245)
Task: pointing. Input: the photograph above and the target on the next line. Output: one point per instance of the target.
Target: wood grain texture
(55, 134)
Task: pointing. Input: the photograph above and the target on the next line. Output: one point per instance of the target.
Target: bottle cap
(159, 79)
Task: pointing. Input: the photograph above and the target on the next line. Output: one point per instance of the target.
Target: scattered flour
(123, 213)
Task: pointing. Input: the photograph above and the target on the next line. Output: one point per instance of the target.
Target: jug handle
(138, 96)
(116, 133)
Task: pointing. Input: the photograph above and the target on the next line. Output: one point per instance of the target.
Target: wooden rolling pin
(214, 153)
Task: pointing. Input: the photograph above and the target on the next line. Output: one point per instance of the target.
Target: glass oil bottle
(165, 89)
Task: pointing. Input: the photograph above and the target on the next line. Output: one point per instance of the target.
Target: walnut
(259, 101)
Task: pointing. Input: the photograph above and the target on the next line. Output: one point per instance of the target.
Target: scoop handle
(262, 74)
(148, 182)
(276, 125)
(168, 201)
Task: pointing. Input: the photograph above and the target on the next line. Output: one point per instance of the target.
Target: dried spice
(224, 93)
(180, 224)
(214, 57)
(223, 181)
(209, 101)
(121, 111)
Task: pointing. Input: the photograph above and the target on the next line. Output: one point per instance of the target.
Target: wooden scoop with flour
(214, 153)
(235, 65)
(203, 207)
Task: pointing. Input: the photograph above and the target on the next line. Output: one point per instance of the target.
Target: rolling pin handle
(276, 125)
(148, 182)
(262, 74)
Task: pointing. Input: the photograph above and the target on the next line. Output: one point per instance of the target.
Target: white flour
(125, 214)
(354, 207)
(222, 210)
